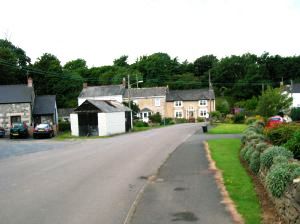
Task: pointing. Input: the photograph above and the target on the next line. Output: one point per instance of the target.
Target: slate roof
(44, 105)
(94, 91)
(296, 88)
(190, 95)
(146, 92)
(103, 106)
(65, 112)
(16, 94)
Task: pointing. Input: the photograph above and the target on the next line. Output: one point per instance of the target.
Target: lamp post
(129, 95)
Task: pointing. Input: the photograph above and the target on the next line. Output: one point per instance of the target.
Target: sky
(100, 31)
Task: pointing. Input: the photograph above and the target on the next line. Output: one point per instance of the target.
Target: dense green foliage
(155, 118)
(282, 133)
(237, 182)
(295, 114)
(240, 77)
(267, 156)
(293, 144)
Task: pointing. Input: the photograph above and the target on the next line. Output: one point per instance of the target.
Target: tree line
(240, 77)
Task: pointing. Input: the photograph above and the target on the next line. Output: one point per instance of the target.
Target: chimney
(124, 82)
(29, 82)
(85, 85)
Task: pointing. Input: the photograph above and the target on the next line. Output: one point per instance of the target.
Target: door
(88, 124)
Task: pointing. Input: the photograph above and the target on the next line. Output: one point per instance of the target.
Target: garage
(100, 118)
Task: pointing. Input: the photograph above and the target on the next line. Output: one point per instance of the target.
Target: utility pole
(129, 100)
(209, 94)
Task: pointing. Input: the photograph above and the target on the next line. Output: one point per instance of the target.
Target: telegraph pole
(129, 100)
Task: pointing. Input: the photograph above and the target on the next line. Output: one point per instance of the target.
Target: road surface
(93, 182)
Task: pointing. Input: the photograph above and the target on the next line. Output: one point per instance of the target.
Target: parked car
(2, 132)
(274, 121)
(43, 130)
(19, 130)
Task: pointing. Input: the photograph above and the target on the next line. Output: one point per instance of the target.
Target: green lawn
(67, 136)
(228, 129)
(225, 152)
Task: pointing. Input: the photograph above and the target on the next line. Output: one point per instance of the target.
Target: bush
(255, 162)
(248, 154)
(239, 118)
(262, 146)
(140, 124)
(216, 116)
(281, 133)
(295, 114)
(277, 179)
(267, 156)
(229, 119)
(296, 173)
(64, 126)
(180, 120)
(250, 120)
(168, 121)
(155, 118)
(293, 145)
(280, 159)
(200, 119)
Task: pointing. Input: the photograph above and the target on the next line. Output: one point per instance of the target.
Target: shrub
(229, 119)
(180, 120)
(293, 145)
(277, 179)
(282, 133)
(267, 156)
(200, 119)
(168, 121)
(140, 124)
(262, 146)
(155, 118)
(216, 115)
(243, 152)
(296, 173)
(239, 118)
(295, 114)
(280, 159)
(64, 126)
(255, 162)
(248, 154)
(250, 120)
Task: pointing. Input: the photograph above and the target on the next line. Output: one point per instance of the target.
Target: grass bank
(225, 152)
(228, 129)
(67, 136)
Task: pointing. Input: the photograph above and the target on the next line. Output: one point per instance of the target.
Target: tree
(204, 63)
(272, 101)
(122, 61)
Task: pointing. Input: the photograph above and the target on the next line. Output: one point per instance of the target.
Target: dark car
(2, 132)
(43, 130)
(19, 130)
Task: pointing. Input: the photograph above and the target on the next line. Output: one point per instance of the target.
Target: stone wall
(288, 205)
(19, 109)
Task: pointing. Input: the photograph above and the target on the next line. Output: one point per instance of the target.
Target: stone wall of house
(150, 104)
(19, 109)
(288, 205)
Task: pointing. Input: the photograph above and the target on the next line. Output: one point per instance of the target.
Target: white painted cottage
(100, 118)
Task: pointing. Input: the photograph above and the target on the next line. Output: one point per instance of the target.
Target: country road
(90, 181)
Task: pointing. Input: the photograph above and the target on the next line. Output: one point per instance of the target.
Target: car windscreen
(17, 125)
(42, 126)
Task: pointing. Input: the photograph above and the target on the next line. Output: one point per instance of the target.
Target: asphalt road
(93, 181)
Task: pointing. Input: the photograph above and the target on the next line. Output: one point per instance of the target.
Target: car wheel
(10, 136)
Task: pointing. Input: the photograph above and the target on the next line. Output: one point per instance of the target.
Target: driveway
(18, 147)
(93, 182)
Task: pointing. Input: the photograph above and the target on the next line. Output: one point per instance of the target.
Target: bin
(204, 128)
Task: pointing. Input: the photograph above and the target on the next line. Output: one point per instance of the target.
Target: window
(145, 114)
(157, 102)
(203, 102)
(15, 119)
(202, 113)
(178, 114)
(178, 104)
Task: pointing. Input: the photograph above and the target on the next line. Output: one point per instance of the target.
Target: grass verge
(225, 152)
(228, 129)
(67, 136)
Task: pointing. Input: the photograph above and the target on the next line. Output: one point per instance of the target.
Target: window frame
(204, 112)
(201, 102)
(179, 102)
(178, 111)
(157, 102)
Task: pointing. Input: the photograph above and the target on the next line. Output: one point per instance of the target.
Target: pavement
(184, 190)
(93, 181)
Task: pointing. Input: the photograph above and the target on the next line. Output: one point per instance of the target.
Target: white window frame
(202, 102)
(157, 102)
(178, 103)
(178, 111)
(203, 112)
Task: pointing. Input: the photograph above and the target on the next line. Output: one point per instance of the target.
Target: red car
(43, 130)
(274, 121)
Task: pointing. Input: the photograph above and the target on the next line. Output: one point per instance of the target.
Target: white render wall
(111, 123)
(74, 124)
(296, 99)
(118, 98)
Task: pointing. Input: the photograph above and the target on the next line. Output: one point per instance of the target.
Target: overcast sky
(100, 31)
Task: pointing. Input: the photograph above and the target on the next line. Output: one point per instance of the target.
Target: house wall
(118, 98)
(149, 103)
(187, 105)
(111, 123)
(296, 99)
(19, 109)
(74, 124)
